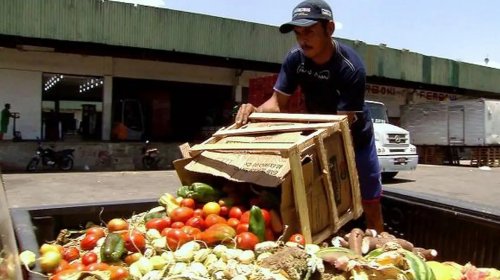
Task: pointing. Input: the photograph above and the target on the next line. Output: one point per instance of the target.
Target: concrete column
(107, 99)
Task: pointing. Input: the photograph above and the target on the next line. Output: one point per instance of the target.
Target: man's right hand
(243, 112)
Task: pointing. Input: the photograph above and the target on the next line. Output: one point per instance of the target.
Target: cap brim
(287, 27)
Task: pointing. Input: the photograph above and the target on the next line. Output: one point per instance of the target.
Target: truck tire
(388, 175)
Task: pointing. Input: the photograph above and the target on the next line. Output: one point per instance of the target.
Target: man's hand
(243, 112)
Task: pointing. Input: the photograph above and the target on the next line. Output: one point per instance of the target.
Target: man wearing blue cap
(332, 79)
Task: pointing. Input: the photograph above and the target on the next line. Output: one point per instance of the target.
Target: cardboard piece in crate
(309, 158)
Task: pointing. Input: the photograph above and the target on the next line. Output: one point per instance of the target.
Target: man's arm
(274, 104)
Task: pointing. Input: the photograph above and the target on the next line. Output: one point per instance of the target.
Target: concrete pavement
(447, 184)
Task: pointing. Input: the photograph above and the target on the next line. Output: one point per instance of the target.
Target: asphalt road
(473, 187)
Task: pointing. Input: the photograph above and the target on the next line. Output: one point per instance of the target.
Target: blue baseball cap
(308, 13)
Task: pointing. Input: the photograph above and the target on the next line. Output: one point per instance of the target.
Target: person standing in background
(5, 119)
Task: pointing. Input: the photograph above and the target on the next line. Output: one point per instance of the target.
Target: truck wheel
(388, 175)
(32, 165)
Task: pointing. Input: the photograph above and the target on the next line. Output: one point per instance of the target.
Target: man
(332, 79)
(4, 122)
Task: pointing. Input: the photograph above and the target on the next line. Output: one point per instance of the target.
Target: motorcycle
(150, 157)
(48, 157)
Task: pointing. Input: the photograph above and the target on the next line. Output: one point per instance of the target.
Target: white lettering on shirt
(320, 75)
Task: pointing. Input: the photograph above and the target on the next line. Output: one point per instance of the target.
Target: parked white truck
(394, 151)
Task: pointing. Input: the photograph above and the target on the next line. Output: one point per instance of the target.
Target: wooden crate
(320, 190)
(485, 156)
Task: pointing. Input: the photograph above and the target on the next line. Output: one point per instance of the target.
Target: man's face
(313, 39)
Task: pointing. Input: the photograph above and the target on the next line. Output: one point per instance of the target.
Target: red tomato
(77, 266)
(96, 230)
(118, 272)
(246, 240)
(298, 238)
(181, 214)
(64, 274)
(63, 265)
(213, 219)
(269, 235)
(117, 224)
(176, 237)
(89, 242)
(157, 223)
(235, 212)
(97, 266)
(224, 211)
(245, 217)
(233, 222)
(188, 202)
(198, 212)
(132, 258)
(242, 227)
(71, 254)
(267, 217)
(197, 222)
(89, 258)
(191, 231)
(177, 225)
(165, 231)
(134, 241)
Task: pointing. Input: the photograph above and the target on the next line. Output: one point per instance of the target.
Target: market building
(103, 76)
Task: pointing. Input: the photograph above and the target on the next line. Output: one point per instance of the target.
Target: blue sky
(467, 31)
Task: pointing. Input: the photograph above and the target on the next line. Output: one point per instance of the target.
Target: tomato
(158, 224)
(235, 212)
(118, 272)
(51, 248)
(77, 266)
(177, 225)
(96, 230)
(89, 242)
(269, 235)
(89, 258)
(117, 224)
(242, 227)
(213, 219)
(132, 258)
(188, 202)
(224, 211)
(267, 216)
(134, 241)
(233, 222)
(198, 213)
(246, 240)
(64, 274)
(63, 265)
(245, 217)
(97, 266)
(165, 231)
(176, 237)
(191, 231)
(298, 238)
(181, 214)
(71, 254)
(196, 222)
(49, 261)
(211, 208)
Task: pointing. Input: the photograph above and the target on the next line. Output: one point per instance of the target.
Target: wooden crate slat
(351, 163)
(299, 193)
(266, 130)
(296, 117)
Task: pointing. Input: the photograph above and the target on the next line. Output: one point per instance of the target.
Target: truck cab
(394, 151)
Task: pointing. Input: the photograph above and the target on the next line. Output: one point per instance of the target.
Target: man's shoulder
(349, 57)
(294, 55)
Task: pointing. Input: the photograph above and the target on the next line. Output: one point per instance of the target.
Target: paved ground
(480, 189)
